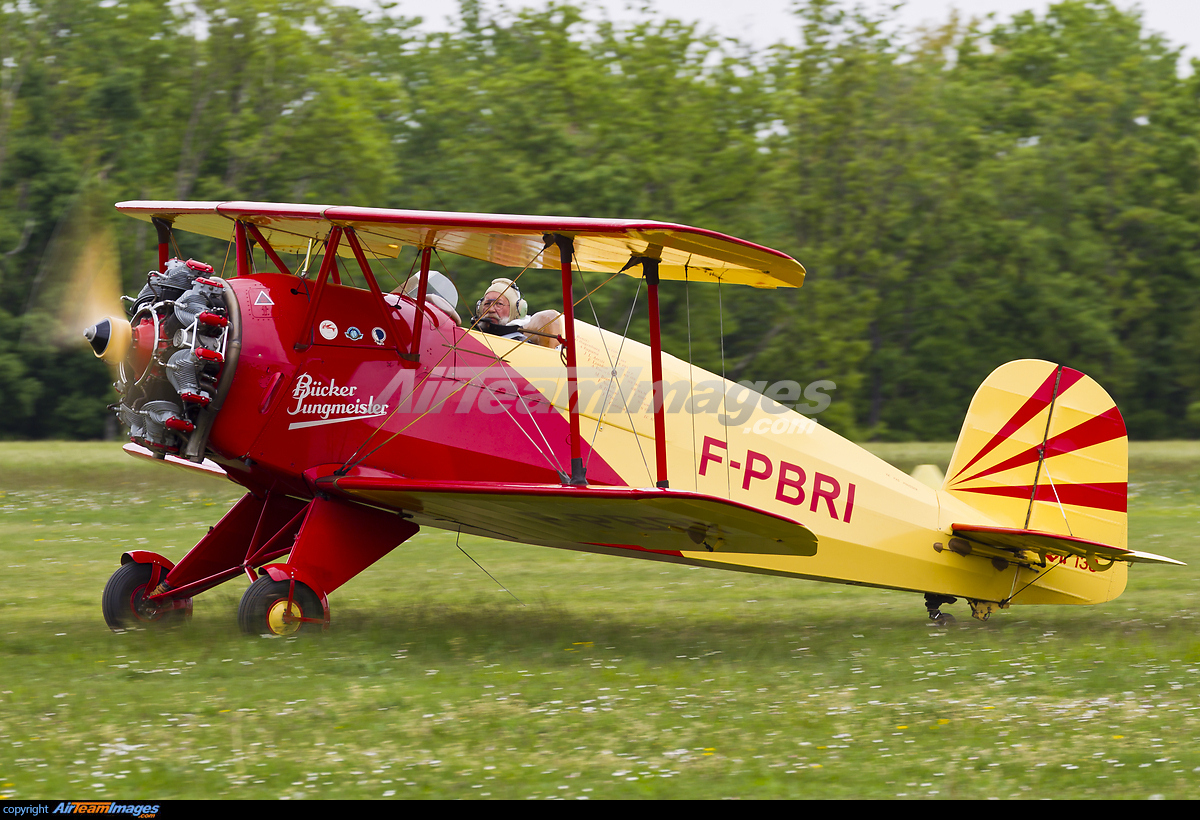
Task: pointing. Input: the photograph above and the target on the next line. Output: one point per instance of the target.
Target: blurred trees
(1026, 188)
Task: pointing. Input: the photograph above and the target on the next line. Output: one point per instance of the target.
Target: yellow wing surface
(512, 240)
(596, 519)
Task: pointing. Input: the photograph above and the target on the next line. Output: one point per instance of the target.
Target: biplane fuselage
(484, 410)
(353, 419)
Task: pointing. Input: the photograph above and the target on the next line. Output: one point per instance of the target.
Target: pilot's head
(501, 303)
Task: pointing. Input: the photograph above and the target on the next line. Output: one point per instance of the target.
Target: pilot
(502, 312)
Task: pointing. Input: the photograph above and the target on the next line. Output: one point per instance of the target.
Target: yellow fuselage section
(875, 525)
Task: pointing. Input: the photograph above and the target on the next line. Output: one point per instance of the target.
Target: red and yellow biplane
(353, 417)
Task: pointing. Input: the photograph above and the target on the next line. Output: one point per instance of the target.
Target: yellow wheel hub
(278, 623)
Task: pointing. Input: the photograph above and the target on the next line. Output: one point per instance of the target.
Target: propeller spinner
(110, 339)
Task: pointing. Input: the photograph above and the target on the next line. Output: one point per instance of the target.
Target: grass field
(609, 678)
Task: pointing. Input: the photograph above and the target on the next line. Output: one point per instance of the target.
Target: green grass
(610, 678)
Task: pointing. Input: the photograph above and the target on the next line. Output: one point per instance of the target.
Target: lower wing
(654, 520)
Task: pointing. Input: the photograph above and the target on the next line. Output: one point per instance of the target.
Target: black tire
(265, 602)
(123, 599)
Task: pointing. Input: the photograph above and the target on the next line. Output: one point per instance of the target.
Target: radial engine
(170, 354)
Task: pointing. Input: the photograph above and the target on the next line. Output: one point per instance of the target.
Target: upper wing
(604, 245)
(668, 522)
(1016, 540)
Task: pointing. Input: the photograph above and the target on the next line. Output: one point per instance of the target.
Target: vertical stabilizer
(1044, 448)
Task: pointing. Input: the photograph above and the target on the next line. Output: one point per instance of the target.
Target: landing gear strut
(934, 603)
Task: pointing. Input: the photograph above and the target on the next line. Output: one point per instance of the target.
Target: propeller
(78, 284)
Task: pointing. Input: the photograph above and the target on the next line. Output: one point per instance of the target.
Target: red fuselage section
(342, 391)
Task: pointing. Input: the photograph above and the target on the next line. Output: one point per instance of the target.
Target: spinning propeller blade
(78, 285)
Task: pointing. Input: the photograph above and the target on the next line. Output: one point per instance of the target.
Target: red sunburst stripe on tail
(1098, 429)
(1040, 399)
(1101, 496)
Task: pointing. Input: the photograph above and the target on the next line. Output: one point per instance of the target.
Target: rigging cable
(1031, 583)
(225, 261)
(1059, 500)
(485, 572)
(613, 375)
(451, 348)
(548, 453)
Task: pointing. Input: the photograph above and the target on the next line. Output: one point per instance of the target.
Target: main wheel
(124, 602)
(264, 608)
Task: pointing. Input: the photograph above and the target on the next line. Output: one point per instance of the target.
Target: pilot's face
(495, 307)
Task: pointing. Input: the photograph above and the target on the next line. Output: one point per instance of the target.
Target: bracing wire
(354, 458)
(548, 453)
(589, 293)
(485, 572)
(228, 247)
(1059, 500)
(613, 375)
(1036, 578)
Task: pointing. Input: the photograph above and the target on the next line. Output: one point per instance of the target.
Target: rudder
(1044, 448)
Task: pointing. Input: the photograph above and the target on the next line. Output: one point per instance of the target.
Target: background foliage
(1024, 188)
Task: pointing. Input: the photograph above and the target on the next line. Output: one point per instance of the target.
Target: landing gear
(982, 610)
(265, 609)
(125, 605)
(934, 603)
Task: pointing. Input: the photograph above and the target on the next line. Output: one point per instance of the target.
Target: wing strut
(365, 267)
(650, 271)
(257, 236)
(330, 261)
(566, 250)
(241, 248)
(163, 227)
(422, 288)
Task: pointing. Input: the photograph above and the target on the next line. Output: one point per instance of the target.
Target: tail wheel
(265, 609)
(125, 605)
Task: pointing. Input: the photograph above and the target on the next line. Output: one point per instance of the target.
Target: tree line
(979, 192)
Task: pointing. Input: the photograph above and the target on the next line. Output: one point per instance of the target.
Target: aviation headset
(509, 290)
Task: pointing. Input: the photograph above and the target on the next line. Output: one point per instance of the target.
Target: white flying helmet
(517, 307)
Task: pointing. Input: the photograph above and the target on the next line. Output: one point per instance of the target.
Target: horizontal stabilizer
(1043, 542)
(655, 520)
